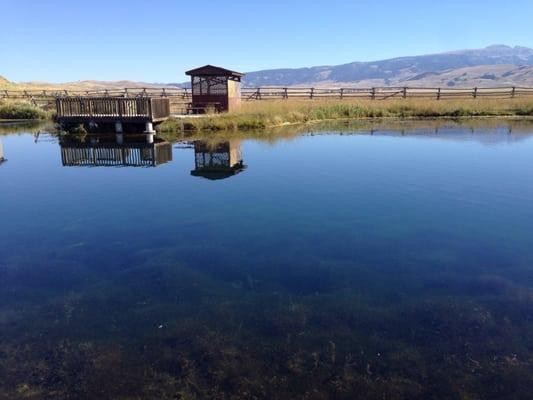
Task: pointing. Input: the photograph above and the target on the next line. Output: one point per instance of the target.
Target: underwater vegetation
(171, 332)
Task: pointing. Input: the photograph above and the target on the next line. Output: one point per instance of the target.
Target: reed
(264, 114)
(20, 110)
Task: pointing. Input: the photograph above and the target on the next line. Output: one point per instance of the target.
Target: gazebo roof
(211, 70)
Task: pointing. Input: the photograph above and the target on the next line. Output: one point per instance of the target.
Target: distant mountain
(4, 83)
(78, 85)
(496, 65)
(491, 66)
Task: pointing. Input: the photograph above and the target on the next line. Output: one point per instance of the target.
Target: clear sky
(156, 41)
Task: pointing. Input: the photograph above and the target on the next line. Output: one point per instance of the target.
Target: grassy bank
(259, 115)
(21, 110)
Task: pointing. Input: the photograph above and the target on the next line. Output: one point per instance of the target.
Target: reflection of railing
(115, 155)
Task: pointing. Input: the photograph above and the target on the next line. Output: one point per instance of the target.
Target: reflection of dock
(217, 161)
(100, 152)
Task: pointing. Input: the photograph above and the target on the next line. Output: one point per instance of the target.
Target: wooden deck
(112, 109)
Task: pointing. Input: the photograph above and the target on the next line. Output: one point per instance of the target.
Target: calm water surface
(334, 265)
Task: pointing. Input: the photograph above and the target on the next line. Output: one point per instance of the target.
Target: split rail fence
(181, 97)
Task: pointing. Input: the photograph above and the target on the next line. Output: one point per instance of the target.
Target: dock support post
(150, 132)
(149, 128)
(118, 130)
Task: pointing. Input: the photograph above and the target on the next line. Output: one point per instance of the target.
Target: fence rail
(179, 98)
(382, 93)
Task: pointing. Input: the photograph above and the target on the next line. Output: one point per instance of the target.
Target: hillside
(492, 66)
(4, 83)
(78, 85)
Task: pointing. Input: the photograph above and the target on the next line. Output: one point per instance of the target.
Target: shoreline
(262, 115)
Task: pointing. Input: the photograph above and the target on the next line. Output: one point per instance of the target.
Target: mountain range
(491, 66)
(496, 65)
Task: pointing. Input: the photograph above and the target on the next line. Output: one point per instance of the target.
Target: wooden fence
(179, 98)
(382, 93)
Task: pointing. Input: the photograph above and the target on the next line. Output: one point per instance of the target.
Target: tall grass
(21, 110)
(263, 114)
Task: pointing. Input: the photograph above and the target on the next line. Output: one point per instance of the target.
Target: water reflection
(2, 157)
(406, 275)
(217, 160)
(107, 151)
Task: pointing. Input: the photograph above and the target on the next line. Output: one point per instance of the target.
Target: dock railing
(113, 108)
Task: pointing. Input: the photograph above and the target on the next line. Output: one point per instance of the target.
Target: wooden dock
(112, 109)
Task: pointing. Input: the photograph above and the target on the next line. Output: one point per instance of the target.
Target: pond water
(386, 263)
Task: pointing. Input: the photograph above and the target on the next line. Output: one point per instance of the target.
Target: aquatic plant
(21, 110)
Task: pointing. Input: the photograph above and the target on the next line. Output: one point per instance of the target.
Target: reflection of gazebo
(215, 88)
(218, 161)
(103, 151)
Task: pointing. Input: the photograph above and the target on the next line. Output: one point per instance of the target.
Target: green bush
(20, 110)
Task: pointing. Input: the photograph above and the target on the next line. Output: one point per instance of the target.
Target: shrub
(21, 110)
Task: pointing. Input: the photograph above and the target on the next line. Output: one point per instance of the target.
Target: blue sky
(156, 41)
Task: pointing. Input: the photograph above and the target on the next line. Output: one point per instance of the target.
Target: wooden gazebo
(215, 88)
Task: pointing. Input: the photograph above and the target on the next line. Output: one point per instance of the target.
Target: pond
(390, 261)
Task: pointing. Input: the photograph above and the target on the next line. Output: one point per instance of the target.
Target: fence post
(373, 93)
(312, 93)
(285, 93)
(513, 92)
(475, 93)
(258, 93)
(404, 94)
(438, 93)
(342, 93)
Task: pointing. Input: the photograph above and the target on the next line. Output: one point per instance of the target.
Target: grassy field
(258, 115)
(265, 114)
